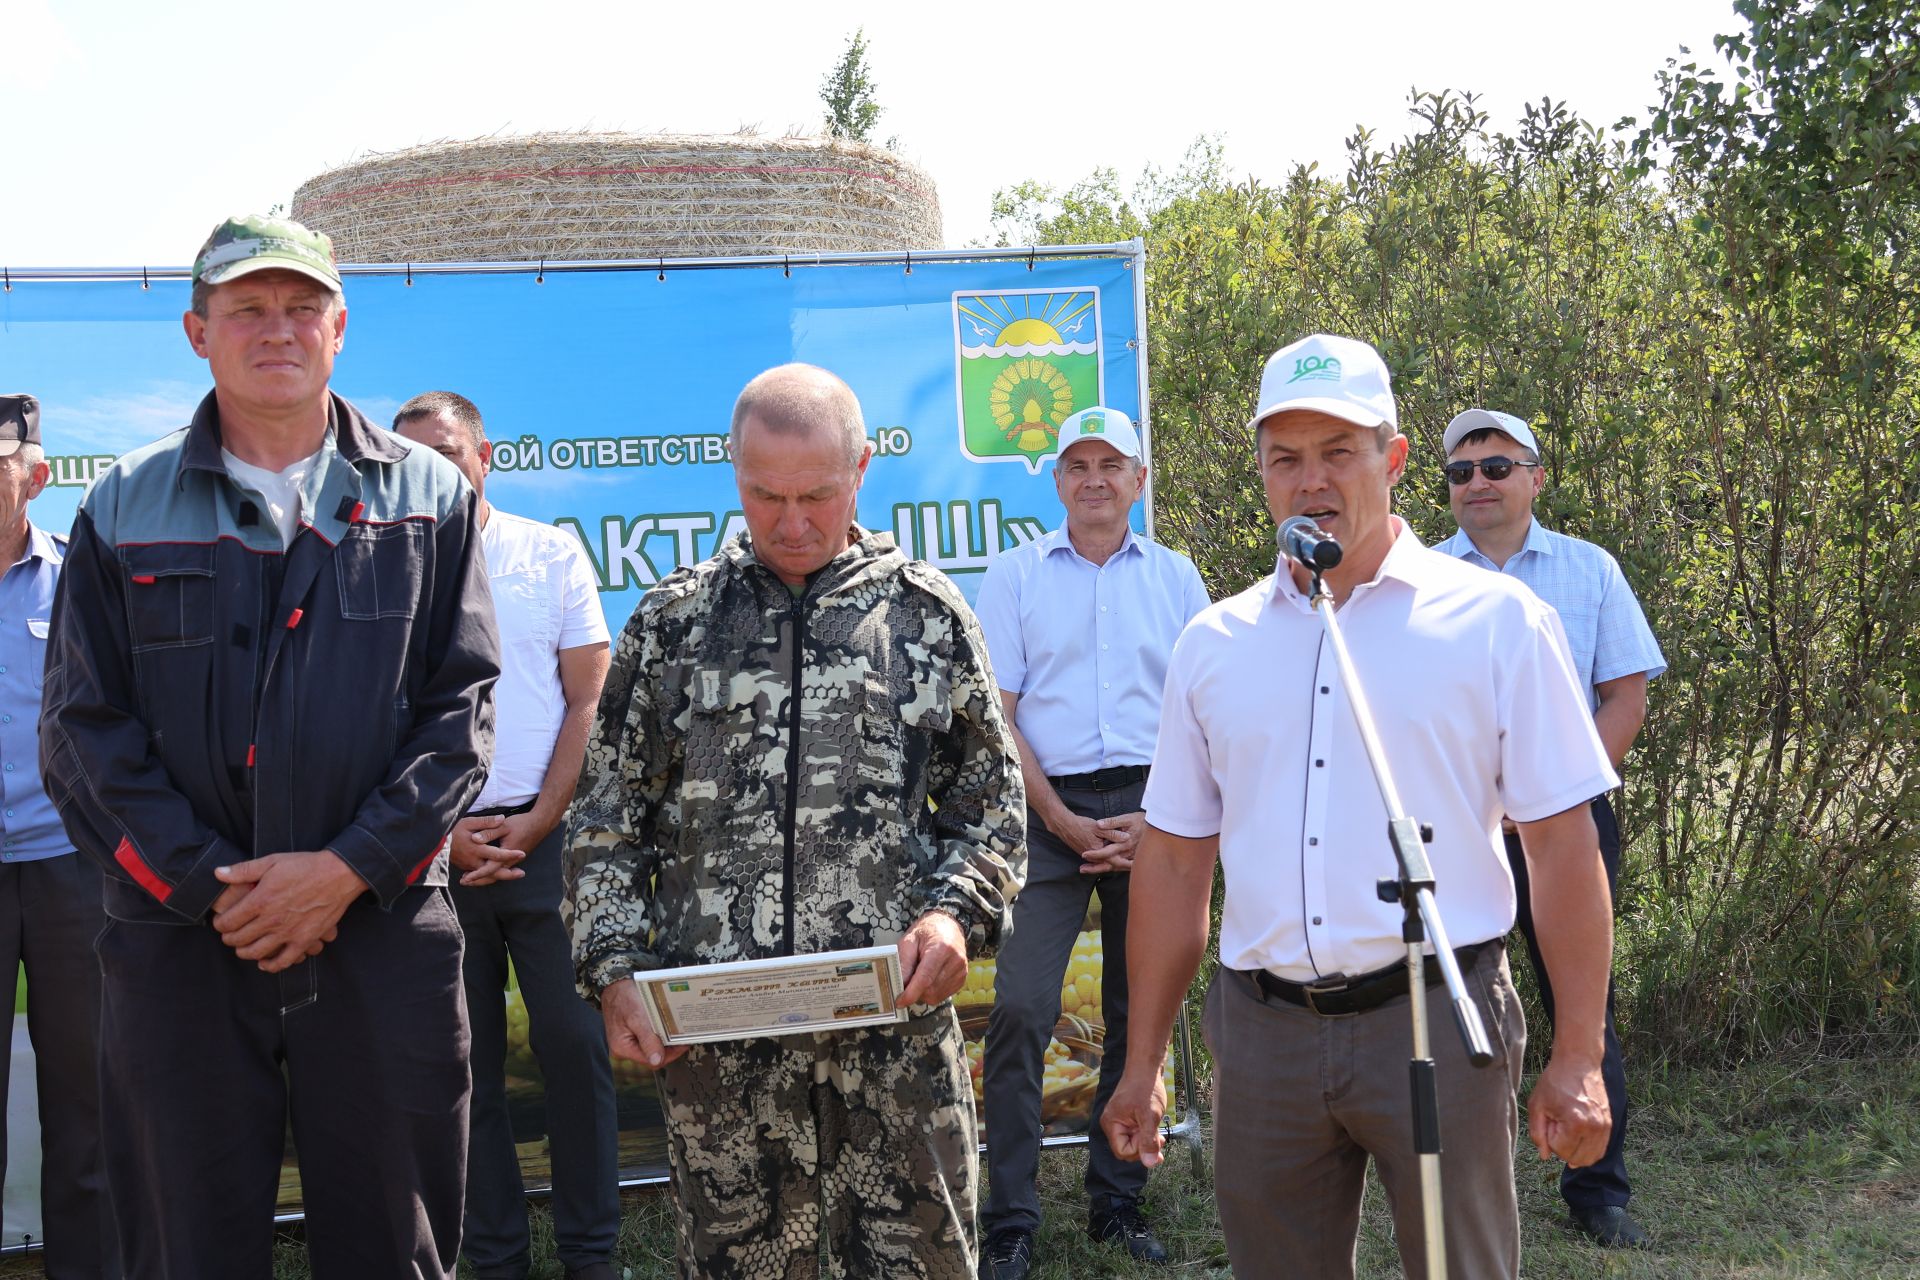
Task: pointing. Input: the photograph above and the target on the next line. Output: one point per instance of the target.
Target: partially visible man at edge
(508, 851)
(1259, 769)
(268, 699)
(1614, 654)
(49, 898)
(777, 720)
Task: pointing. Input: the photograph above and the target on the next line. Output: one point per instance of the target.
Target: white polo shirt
(1085, 645)
(544, 600)
(1480, 715)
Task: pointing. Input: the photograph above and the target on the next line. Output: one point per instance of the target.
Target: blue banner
(607, 394)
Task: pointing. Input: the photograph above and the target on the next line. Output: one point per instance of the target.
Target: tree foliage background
(1710, 320)
(849, 93)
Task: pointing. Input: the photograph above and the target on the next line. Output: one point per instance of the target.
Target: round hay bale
(561, 196)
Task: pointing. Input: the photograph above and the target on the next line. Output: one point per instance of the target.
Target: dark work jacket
(212, 696)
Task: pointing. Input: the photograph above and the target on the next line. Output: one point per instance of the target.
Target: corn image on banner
(607, 393)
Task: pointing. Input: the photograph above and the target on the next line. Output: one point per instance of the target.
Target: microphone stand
(1421, 918)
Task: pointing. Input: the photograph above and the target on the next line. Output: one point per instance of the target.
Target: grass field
(1796, 1167)
(1787, 1169)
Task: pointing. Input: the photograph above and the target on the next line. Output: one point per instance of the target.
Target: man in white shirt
(1259, 767)
(1493, 475)
(507, 849)
(1079, 625)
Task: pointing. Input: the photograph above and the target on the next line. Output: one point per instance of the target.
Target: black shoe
(1611, 1227)
(593, 1271)
(1008, 1255)
(1125, 1224)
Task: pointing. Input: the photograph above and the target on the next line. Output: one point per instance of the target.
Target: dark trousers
(1605, 1182)
(206, 1059)
(49, 916)
(1300, 1102)
(1047, 916)
(521, 918)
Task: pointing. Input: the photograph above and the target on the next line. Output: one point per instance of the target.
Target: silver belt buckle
(1326, 987)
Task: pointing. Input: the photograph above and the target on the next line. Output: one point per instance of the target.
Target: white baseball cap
(1099, 423)
(1340, 376)
(1471, 420)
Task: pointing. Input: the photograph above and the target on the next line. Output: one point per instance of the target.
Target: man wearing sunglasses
(1493, 475)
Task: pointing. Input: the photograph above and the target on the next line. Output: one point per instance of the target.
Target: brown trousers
(1301, 1101)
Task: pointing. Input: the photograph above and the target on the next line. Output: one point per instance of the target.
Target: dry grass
(560, 196)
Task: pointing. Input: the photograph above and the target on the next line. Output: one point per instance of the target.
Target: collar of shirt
(1060, 540)
(41, 545)
(1401, 564)
(1539, 539)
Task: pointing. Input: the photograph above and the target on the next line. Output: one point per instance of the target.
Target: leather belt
(503, 811)
(1109, 779)
(1343, 997)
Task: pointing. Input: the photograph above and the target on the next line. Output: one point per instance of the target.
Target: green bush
(1711, 323)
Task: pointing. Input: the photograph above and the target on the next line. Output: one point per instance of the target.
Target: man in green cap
(268, 698)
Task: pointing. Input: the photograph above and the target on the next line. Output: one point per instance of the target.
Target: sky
(133, 126)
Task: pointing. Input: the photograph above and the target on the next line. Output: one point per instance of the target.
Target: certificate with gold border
(783, 995)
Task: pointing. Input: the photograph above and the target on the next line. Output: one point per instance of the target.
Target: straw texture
(563, 196)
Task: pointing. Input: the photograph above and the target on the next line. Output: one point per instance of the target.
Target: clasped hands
(280, 909)
(1104, 844)
(489, 849)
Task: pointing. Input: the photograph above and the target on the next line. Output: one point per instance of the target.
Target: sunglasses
(1492, 468)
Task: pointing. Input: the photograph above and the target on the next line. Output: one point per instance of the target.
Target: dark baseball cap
(19, 423)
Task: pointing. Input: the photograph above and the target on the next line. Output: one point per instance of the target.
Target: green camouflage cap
(256, 243)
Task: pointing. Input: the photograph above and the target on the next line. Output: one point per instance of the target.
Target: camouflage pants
(866, 1137)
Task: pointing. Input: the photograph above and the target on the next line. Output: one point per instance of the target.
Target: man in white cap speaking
(1079, 625)
(1493, 475)
(1259, 767)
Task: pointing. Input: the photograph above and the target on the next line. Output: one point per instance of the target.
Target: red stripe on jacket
(426, 862)
(134, 865)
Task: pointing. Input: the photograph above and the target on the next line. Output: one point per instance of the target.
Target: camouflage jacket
(759, 776)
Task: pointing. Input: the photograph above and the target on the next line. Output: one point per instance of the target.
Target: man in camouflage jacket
(776, 722)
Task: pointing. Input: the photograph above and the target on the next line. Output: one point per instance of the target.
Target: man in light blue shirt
(1079, 625)
(1493, 475)
(50, 908)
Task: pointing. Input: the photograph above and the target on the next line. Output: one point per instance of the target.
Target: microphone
(1303, 540)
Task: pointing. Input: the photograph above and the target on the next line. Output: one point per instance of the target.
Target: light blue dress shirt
(32, 825)
(1085, 645)
(1605, 629)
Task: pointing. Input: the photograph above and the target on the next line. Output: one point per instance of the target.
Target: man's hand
(1567, 1114)
(230, 897)
(483, 850)
(629, 1033)
(1132, 1117)
(288, 906)
(1122, 834)
(1085, 837)
(933, 959)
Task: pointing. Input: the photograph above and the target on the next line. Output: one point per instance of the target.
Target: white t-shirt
(1479, 713)
(544, 600)
(280, 490)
